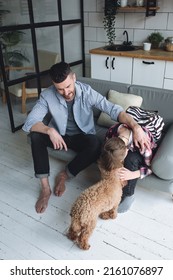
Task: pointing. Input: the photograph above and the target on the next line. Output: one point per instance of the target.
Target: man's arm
(55, 137)
(141, 140)
(40, 127)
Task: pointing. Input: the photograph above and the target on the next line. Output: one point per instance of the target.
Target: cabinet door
(168, 84)
(169, 70)
(168, 81)
(148, 72)
(111, 68)
(121, 69)
(100, 67)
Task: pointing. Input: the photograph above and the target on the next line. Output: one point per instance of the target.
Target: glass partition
(45, 10)
(32, 39)
(72, 42)
(73, 12)
(16, 12)
(21, 104)
(48, 41)
(17, 53)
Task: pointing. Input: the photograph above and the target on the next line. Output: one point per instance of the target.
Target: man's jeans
(87, 146)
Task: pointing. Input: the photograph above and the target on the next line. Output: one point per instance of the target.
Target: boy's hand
(126, 174)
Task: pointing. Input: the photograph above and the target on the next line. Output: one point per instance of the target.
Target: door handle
(147, 62)
(106, 62)
(113, 63)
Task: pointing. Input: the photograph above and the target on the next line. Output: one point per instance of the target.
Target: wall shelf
(150, 8)
(135, 8)
(131, 8)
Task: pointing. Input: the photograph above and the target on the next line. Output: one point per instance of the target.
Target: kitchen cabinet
(111, 68)
(153, 68)
(168, 79)
(148, 72)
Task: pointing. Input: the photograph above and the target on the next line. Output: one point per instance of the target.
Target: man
(70, 104)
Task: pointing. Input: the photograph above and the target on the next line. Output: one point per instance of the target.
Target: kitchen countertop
(157, 54)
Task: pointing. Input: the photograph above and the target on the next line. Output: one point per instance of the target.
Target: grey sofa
(153, 99)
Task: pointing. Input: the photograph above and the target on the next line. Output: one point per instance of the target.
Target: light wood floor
(144, 232)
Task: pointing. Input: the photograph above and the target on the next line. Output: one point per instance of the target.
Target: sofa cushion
(123, 99)
(162, 163)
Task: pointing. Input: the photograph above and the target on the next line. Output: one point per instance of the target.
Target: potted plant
(155, 38)
(8, 39)
(109, 20)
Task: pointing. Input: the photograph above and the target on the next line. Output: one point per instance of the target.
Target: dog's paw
(108, 215)
(84, 246)
(71, 236)
(104, 216)
(113, 215)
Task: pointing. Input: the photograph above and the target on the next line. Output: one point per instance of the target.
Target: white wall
(136, 23)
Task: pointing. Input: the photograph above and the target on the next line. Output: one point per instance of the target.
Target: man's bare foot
(42, 201)
(59, 188)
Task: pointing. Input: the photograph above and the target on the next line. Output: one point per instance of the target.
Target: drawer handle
(146, 62)
(113, 63)
(106, 62)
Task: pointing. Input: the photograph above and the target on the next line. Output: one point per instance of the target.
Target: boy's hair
(112, 154)
(59, 72)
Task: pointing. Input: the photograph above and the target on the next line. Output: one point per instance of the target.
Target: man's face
(67, 87)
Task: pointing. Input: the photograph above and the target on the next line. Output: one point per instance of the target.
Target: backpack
(149, 119)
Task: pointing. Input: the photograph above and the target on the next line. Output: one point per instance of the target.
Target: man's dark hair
(59, 72)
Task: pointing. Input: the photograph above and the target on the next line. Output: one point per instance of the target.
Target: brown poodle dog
(101, 199)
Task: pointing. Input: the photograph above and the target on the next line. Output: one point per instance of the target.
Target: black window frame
(37, 74)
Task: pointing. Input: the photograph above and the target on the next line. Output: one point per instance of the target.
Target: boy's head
(113, 153)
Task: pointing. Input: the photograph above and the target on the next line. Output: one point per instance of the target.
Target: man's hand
(56, 139)
(141, 139)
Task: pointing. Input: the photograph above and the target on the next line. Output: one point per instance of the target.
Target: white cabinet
(111, 68)
(136, 71)
(148, 72)
(168, 80)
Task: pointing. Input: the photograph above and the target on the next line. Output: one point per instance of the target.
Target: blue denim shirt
(85, 100)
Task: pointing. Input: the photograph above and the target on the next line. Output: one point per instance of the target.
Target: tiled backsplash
(136, 23)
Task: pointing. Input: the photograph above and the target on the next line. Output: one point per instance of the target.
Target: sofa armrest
(162, 163)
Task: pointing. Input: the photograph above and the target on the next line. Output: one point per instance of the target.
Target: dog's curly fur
(101, 199)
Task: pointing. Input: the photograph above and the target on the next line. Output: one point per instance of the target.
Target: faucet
(127, 42)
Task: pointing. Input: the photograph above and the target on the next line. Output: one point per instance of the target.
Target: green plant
(155, 38)
(9, 39)
(109, 20)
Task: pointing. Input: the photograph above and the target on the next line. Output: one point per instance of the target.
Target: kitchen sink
(121, 48)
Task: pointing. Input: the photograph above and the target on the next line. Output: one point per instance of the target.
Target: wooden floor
(144, 232)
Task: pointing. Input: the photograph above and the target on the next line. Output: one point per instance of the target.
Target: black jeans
(87, 146)
(133, 161)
